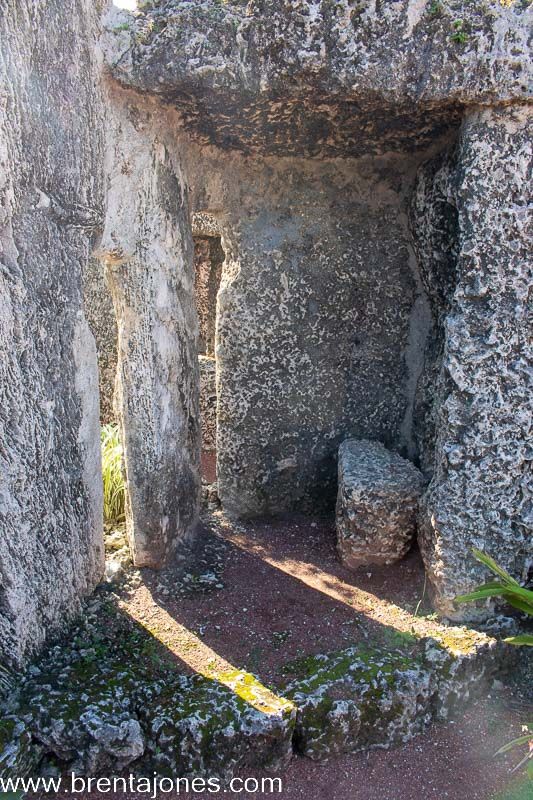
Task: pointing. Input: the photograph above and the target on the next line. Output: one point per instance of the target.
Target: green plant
(436, 9)
(112, 474)
(460, 35)
(507, 588)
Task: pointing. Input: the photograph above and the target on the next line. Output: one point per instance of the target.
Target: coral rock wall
(147, 249)
(482, 483)
(356, 301)
(51, 199)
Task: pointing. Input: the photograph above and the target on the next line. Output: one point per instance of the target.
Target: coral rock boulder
(376, 505)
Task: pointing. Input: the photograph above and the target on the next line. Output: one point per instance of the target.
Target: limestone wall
(482, 485)
(322, 319)
(349, 306)
(51, 198)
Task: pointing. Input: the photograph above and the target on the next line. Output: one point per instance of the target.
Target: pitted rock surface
(377, 504)
(111, 697)
(315, 77)
(363, 697)
(51, 208)
(482, 480)
(208, 402)
(107, 701)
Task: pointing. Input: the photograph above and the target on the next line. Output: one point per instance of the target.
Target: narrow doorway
(208, 260)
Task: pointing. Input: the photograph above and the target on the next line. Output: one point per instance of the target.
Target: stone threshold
(84, 711)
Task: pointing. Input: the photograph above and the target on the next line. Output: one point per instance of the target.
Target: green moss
(360, 664)
(459, 641)
(7, 729)
(460, 34)
(436, 9)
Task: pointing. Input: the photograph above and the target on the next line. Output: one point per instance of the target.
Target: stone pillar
(482, 478)
(51, 199)
(148, 250)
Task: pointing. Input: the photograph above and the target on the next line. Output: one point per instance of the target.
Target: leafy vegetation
(113, 476)
(459, 35)
(507, 588)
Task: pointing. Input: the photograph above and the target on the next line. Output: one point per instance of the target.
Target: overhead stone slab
(286, 76)
(377, 504)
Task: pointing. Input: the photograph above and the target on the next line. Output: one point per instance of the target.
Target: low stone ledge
(100, 706)
(217, 727)
(94, 714)
(365, 697)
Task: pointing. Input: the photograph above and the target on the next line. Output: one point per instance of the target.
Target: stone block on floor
(377, 504)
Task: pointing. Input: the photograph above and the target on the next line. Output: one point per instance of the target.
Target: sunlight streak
(202, 659)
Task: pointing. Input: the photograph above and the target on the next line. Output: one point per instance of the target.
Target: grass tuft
(113, 476)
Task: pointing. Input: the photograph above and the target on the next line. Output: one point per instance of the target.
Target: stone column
(51, 199)
(148, 250)
(482, 480)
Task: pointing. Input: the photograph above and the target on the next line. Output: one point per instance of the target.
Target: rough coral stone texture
(350, 307)
(96, 708)
(342, 79)
(481, 487)
(200, 726)
(147, 248)
(435, 227)
(365, 697)
(377, 504)
(208, 260)
(100, 315)
(317, 310)
(208, 402)
(51, 199)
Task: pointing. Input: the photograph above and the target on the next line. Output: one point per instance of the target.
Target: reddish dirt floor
(263, 593)
(278, 593)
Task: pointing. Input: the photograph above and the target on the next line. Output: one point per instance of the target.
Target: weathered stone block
(147, 248)
(94, 714)
(314, 323)
(200, 726)
(480, 491)
(377, 503)
(363, 697)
